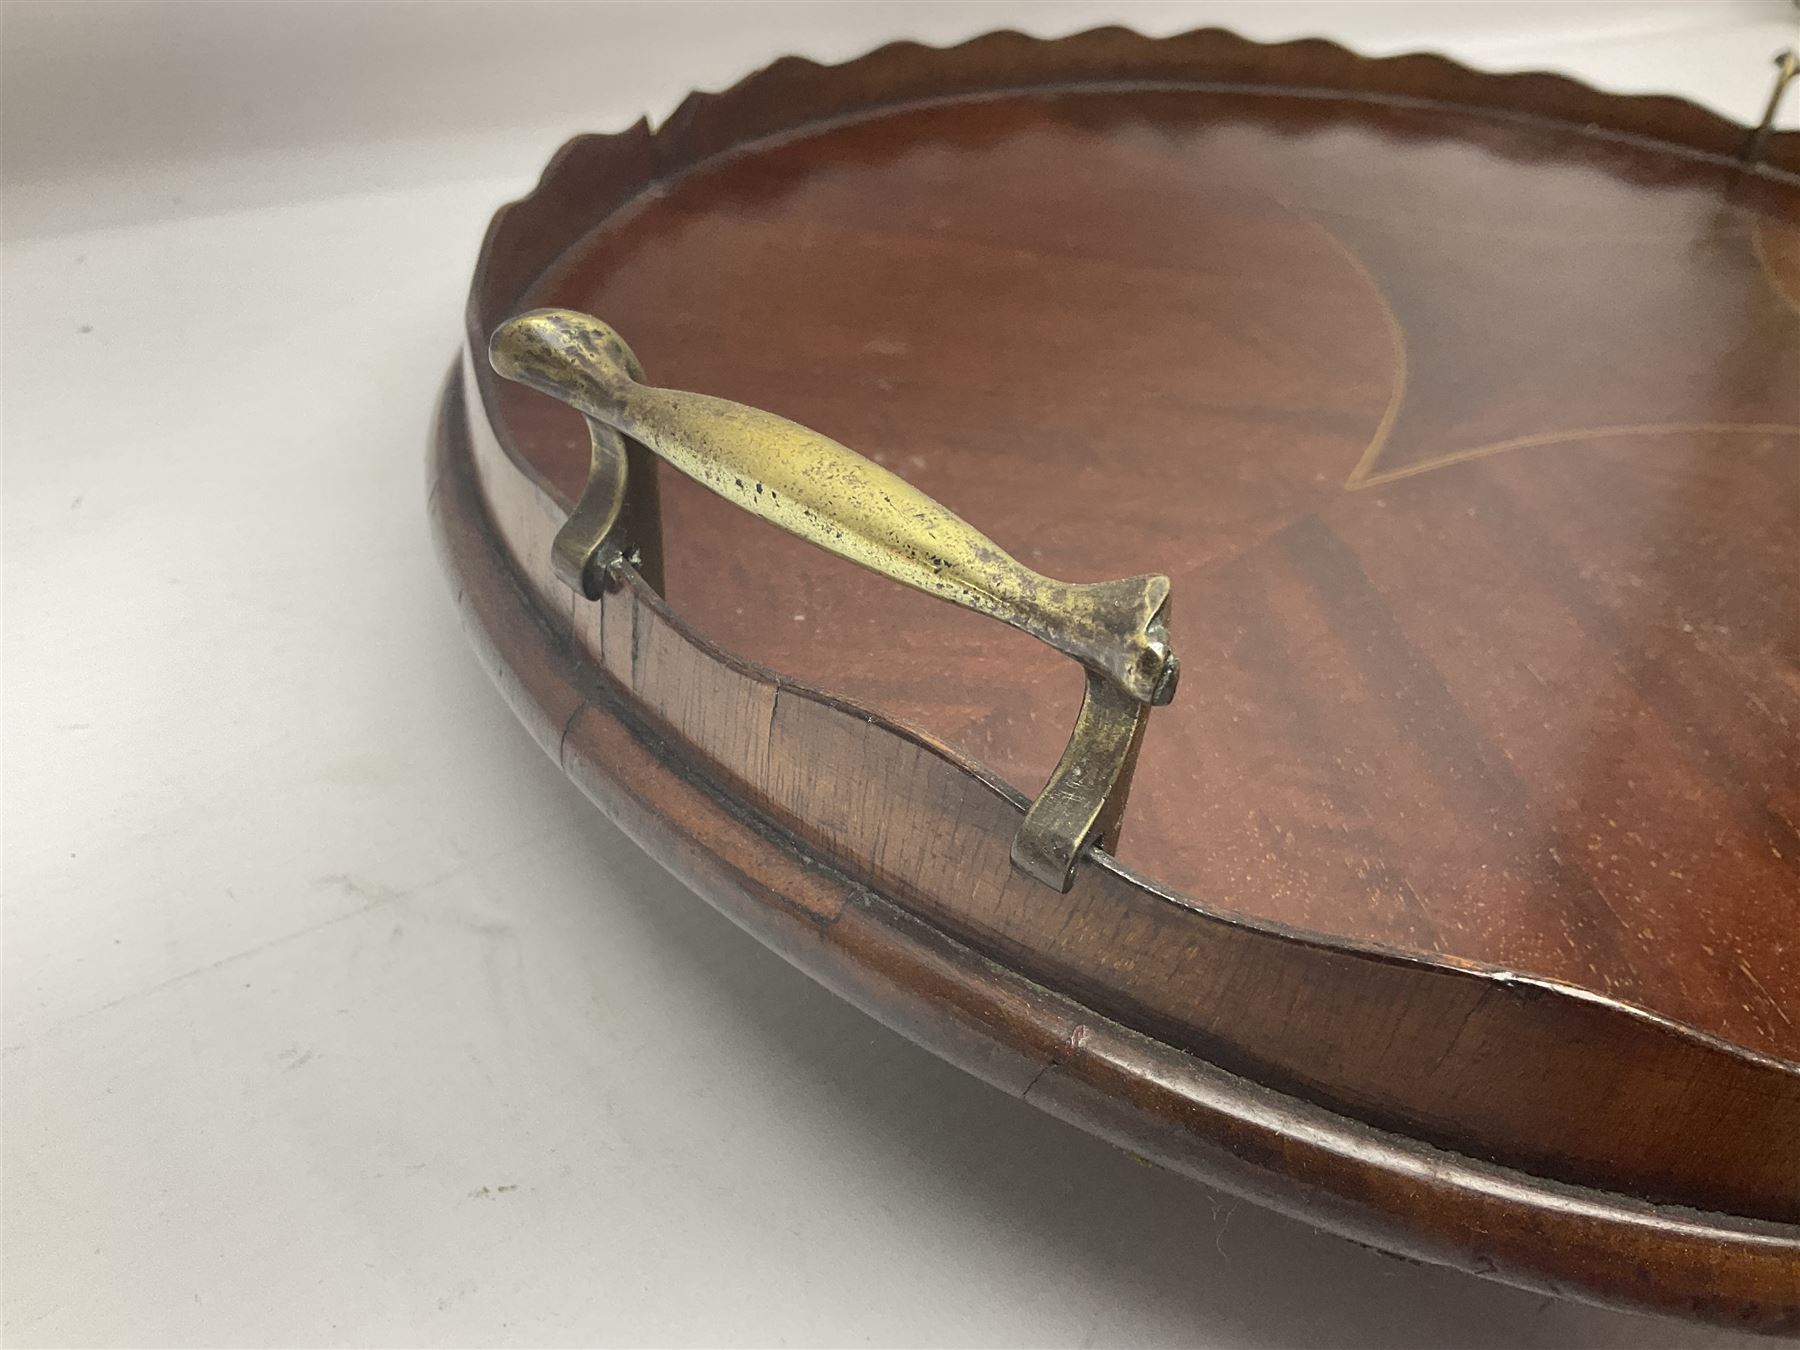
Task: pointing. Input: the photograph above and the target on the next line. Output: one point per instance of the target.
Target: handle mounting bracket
(830, 496)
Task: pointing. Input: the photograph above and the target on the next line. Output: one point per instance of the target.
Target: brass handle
(830, 496)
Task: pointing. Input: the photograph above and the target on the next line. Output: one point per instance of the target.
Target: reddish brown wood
(1377, 1187)
(1559, 679)
(1472, 441)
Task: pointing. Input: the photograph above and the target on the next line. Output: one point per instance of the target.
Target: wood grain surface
(1473, 452)
(1470, 436)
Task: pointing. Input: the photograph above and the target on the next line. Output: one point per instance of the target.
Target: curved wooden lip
(762, 106)
(1373, 1186)
(1491, 975)
(697, 128)
(593, 176)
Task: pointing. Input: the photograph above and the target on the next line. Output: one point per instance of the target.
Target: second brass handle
(830, 496)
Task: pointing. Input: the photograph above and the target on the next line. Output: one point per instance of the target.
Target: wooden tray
(1457, 907)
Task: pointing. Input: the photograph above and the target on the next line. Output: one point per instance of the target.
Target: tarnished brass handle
(830, 496)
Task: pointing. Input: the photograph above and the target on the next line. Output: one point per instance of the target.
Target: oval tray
(1455, 908)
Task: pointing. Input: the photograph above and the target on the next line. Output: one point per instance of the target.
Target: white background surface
(332, 1014)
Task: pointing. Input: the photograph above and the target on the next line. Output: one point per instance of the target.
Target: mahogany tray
(1456, 907)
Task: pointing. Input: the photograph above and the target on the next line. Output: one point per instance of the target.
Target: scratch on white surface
(221, 964)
